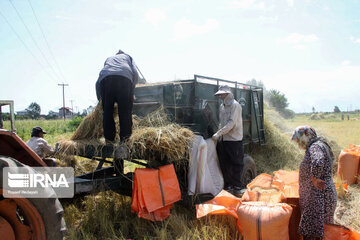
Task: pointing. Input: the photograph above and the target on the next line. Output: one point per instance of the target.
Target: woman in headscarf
(316, 186)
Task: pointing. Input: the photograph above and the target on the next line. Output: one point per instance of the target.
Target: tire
(48, 209)
(249, 171)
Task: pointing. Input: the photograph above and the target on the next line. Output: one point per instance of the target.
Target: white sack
(204, 171)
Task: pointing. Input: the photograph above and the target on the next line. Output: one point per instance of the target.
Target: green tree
(287, 113)
(256, 83)
(278, 100)
(337, 109)
(34, 110)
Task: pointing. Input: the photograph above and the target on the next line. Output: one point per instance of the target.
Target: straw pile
(278, 152)
(153, 138)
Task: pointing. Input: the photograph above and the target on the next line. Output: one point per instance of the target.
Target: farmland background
(108, 215)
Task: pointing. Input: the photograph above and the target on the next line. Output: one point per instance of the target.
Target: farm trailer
(190, 103)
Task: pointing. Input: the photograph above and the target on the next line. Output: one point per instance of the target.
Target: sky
(307, 50)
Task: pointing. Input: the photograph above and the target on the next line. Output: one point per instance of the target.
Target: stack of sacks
(278, 198)
(154, 192)
(276, 215)
(256, 219)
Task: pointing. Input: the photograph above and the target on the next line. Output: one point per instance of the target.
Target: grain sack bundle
(348, 168)
(264, 221)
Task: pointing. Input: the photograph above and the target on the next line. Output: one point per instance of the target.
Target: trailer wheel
(29, 218)
(249, 171)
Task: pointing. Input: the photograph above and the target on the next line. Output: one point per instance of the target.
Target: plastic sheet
(154, 192)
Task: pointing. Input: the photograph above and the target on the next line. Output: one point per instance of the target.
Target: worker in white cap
(41, 147)
(229, 140)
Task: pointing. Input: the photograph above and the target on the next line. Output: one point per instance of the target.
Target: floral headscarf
(303, 135)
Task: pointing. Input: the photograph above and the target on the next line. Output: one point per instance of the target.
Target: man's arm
(47, 149)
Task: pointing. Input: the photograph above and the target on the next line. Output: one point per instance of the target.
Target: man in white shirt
(229, 140)
(40, 146)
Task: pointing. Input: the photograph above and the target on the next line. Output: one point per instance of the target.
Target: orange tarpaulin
(339, 232)
(154, 192)
(336, 232)
(355, 235)
(224, 203)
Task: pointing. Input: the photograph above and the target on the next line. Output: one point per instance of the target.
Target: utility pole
(72, 110)
(63, 87)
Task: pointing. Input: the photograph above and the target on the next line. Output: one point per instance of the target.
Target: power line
(26, 47)
(46, 41)
(49, 47)
(33, 39)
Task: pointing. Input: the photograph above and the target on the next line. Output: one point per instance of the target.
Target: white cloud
(298, 41)
(154, 16)
(353, 39)
(290, 2)
(345, 63)
(265, 19)
(248, 4)
(62, 17)
(296, 38)
(184, 29)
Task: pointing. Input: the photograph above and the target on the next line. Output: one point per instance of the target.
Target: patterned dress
(317, 206)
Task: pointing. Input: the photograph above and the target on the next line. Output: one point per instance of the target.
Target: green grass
(344, 132)
(56, 129)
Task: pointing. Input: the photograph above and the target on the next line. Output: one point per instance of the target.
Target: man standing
(41, 147)
(229, 140)
(116, 84)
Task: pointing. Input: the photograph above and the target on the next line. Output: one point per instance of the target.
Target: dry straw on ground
(278, 152)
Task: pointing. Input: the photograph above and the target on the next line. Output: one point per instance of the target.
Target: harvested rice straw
(157, 118)
(170, 142)
(91, 126)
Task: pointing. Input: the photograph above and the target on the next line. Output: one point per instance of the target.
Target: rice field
(344, 132)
